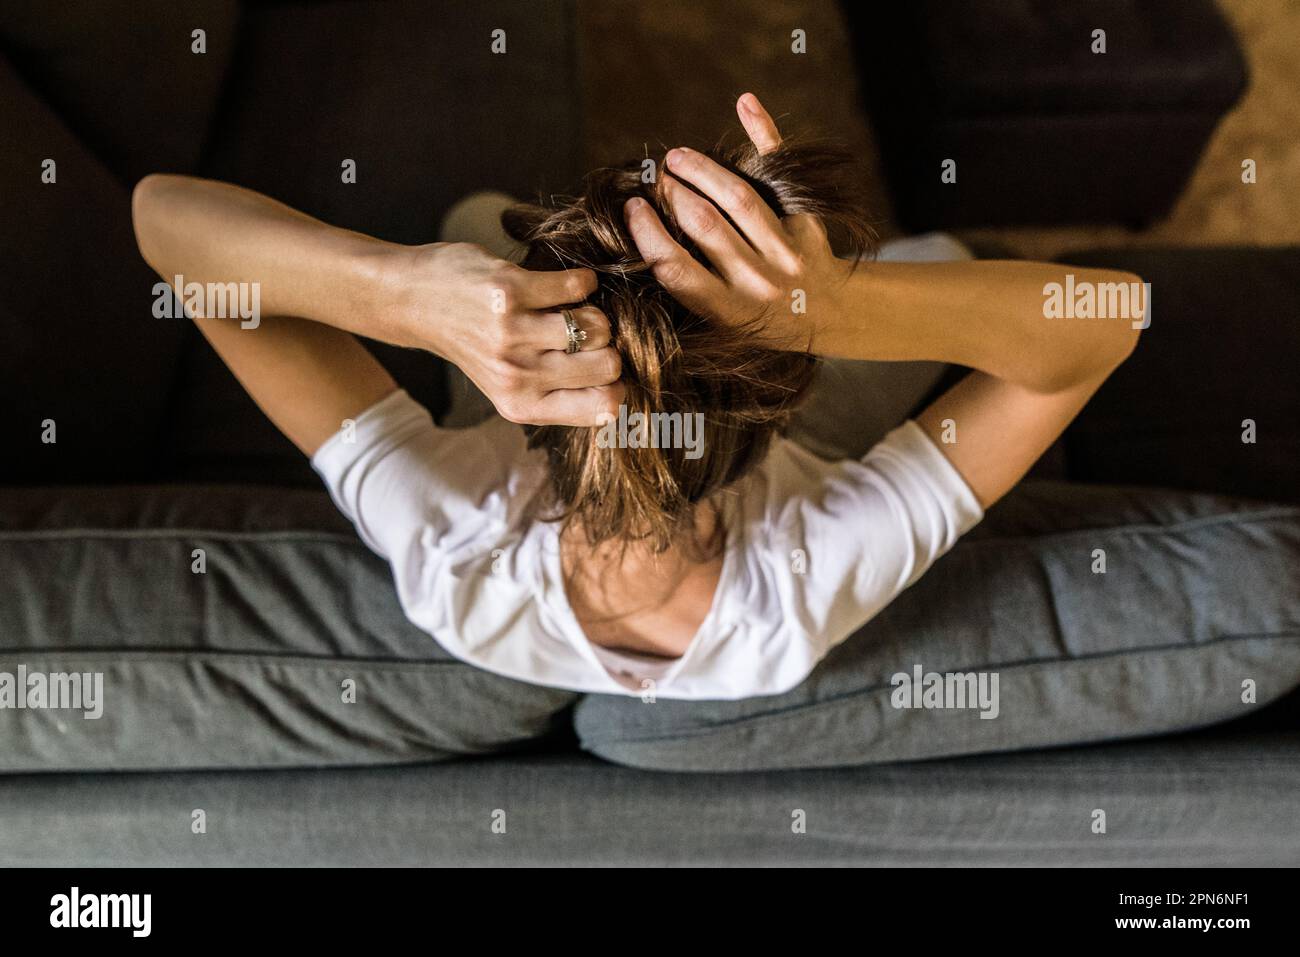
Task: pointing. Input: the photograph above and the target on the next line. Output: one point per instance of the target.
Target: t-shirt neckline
(557, 600)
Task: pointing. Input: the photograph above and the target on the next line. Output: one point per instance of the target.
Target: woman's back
(812, 549)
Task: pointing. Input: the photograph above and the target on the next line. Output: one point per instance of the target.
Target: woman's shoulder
(788, 472)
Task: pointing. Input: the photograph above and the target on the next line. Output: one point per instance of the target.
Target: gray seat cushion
(245, 664)
(1200, 800)
(1200, 598)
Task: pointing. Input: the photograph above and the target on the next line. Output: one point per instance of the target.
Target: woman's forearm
(989, 315)
(210, 232)
(500, 323)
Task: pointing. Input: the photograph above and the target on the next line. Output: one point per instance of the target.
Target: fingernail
(633, 205)
(747, 102)
(675, 156)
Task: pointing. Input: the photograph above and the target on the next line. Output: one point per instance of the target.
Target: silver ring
(575, 335)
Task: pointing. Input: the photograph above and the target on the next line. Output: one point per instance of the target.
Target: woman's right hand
(502, 326)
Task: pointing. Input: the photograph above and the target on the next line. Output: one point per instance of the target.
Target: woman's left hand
(778, 270)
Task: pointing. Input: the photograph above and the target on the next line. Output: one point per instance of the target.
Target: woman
(576, 555)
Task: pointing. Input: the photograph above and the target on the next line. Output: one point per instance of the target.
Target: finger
(758, 124)
(580, 407)
(579, 370)
(677, 271)
(733, 196)
(547, 330)
(538, 289)
(704, 223)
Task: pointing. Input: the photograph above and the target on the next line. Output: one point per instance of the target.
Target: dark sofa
(226, 683)
(1115, 98)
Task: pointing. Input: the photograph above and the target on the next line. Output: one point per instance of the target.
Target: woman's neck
(634, 599)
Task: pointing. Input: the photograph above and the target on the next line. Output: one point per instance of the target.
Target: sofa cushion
(124, 76)
(1205, 800)
(1113, 136)
(1199, 599)
(1221, 352)
(410, 90)
(85, 367)
(286, 647)
(414, 94)
(991, 56)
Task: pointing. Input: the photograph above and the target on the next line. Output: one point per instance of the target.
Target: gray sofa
(270, 704)
(1203, 800)
(223, 696)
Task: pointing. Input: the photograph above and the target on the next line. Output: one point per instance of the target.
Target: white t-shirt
(814, 549)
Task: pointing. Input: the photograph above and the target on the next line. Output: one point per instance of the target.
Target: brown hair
(675, 361)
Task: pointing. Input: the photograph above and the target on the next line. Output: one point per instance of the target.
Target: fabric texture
(960, 94)
(125, 75)
(1206, 800)
(1104, 613)
(108, 413)
(1210, 399)
(450, 510)
(233, 627)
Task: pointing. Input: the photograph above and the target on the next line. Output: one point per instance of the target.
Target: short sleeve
(929, 504)
(408, 486)
(868, 529)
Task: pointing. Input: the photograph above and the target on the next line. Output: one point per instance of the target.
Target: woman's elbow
(1123, 310)
(145, 200)
(1137, 319)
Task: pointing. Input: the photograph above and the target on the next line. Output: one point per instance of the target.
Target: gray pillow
(281, 644)
(1194, 620)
